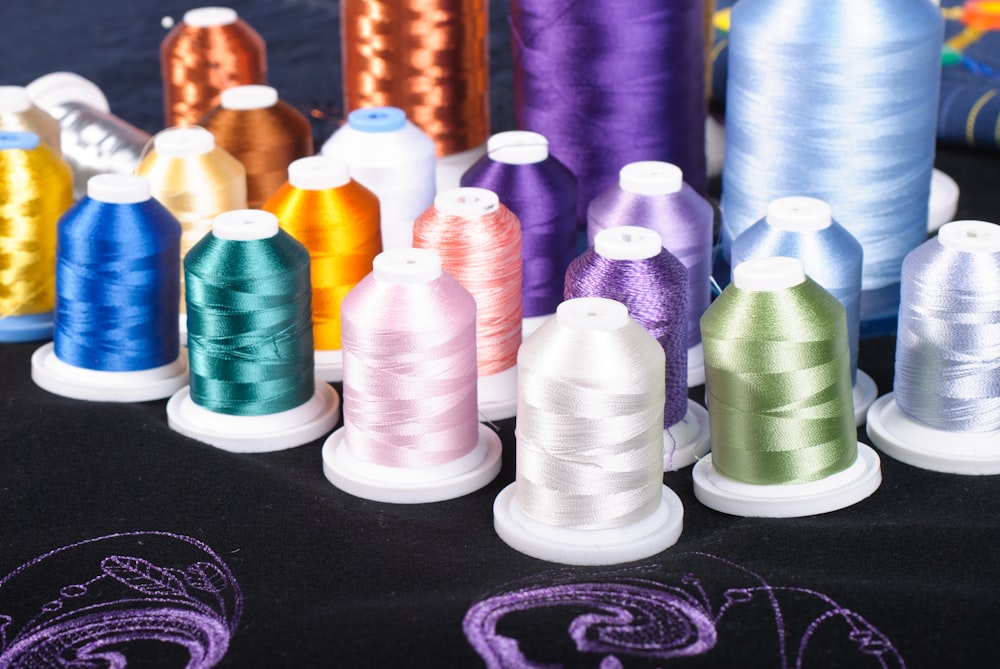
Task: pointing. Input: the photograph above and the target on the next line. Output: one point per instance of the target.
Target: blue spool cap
(18, 139)
(32, 327)
(377, 119)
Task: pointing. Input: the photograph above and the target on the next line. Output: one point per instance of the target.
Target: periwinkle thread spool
(803, 228)
(117, 289)
(211, 50)
(479, 242)
(262, 132)
(652, 194)
(630, 265)
(394, 159)
(611, 84)
(337, 220)
(945, 412)
(250, 340)
(18, 112)
(411, 432)
(589, 486)
(94, 141)
(35, 190)
(836, 101)
(542, 193)
(778, 387)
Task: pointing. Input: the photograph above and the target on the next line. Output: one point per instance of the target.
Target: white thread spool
(688, 438)
(253, 434)
(48, 371)
(788, 500)
(410, 485)
(569, 545)
(394, 159)
(910, 441)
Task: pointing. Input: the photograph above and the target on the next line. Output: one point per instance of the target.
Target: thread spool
(630, 265)
(783, 438)
(388, 49)
(945, 412)
(394, 159)
(795, 76)
(250, 341)
(803, 228)
(652, 194)
(262, 132)
(195, 180)
(479, 242)
(18, 112)
(210, 50)
(117, 288)
(337, 220)
(944, 200)
(410, 430)
(35, 190)
(589, 487)
(94, 141)
(542, 193)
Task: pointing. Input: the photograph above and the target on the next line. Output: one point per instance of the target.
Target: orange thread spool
(263, 133)
(337, 220)
(428, 57)
(211, 50)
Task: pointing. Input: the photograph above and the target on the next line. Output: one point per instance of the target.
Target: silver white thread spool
(905, 437)
(785, 500)
(394, 159)
(94, 141)
(688, 438)
(253, 434)
(48, 371)
(401, 484)
(579, 437)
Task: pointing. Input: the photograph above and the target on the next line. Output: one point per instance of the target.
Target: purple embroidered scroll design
(192, 601)
(628, 615)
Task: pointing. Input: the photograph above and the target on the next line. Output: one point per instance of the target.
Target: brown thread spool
(263, 133)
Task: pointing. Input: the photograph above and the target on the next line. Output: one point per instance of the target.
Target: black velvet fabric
(906, 577)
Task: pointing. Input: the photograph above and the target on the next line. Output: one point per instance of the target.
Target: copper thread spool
(263, 133)
(211, 50)
(428, 57)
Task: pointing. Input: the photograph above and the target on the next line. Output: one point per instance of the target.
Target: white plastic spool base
(329, 365)
(532, 323)
(498, 395)
(904, 439)
(792, 500)
(61, 378)
(403, 485)
(255, 434)
(863, 394)
(696, 366)
(715, 146)
(649, 536)
(943, 202)
(687, 440)
(449, 169)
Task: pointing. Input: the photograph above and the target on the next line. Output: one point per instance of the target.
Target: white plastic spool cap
(118, 188)
(251, 96)
(650, 177)
(407, 266)
(970, 236)
(58, 88)
(592, 313)
(318, 173)
(466, 202)
(628, 242)
(14, 99)
(245, 225)
(183, 142)
(769, 274)
(377, 119)
(207, 17)
(801, 214)
(518, 147)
